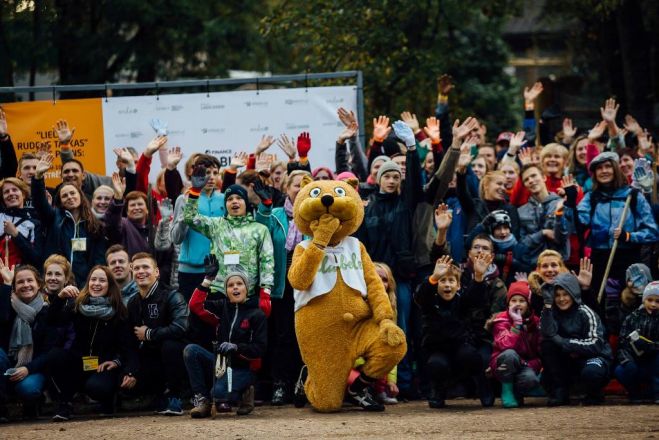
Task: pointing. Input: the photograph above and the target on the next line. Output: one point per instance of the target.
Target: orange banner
(31, 126)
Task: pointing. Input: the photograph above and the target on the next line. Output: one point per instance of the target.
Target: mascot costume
(342, 311)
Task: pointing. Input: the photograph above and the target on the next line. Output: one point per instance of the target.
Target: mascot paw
(390, 333)
(348, 317)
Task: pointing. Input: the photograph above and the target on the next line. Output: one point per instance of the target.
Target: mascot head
(328, 197)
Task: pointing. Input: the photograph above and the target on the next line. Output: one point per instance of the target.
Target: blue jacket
(195, 246)
(606, 215)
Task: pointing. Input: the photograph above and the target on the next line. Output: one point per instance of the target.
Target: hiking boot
(437, 397)
(219, 408)
(365, 399)
(202, 407)
(173, 408)
(299, 396)
(246, 402)
(279, 394)
(558, 397)
(63, 413)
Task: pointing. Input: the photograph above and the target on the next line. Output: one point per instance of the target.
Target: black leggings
(285, 357)
(67, 377)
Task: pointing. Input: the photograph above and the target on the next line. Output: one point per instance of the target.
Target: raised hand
(381, 128)
(404, 133)
(199, 177)
(264, 144)
(609, 111)
(348, 132)
(286, 146)
(239, 160)
(7, 272)
(124, 156)
(585, 276)
(3, 124)
(441, 267)
(166, 209)
(44, 164)
(569, 131)
(64, 134)
(516, 142)
(411, 121)
(264, 161)
(597, 131)
(174, 156)
(118, 185)
(445, 84)
(644, 142)
(263, 191)
(211, 267)
(443, 216)
(632, 125)
(154, 145)
(526, 155)
(303, 145)
(480, 264)
(521, 276)
(460, 131)
(347, 118)
(643, 177)
(531, 94)
(432, 129)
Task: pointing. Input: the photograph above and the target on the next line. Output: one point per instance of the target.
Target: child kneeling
(241, 342)
(638, 350)
(516, 353)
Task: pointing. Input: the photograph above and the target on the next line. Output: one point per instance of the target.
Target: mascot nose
(327, 200)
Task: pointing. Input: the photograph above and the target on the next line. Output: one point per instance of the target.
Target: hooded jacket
(602, 210)
(578, 330)
(535, 216)
(526, 343)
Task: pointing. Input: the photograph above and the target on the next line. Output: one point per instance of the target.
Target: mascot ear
(306, 179)
(353, 182)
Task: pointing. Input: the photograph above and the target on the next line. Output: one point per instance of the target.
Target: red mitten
(303, 145)
(264, 301)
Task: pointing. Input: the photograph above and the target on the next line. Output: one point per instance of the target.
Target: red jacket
(526, 342)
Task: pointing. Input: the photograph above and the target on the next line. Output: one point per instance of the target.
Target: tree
(402, 47)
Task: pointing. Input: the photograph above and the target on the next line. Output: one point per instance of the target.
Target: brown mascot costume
(342, 311)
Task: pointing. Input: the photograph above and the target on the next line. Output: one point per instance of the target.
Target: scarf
(505, 244)
(294, 236)
(20, 341)
(98, 308)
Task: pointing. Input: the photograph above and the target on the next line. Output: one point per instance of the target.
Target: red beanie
(520, 288)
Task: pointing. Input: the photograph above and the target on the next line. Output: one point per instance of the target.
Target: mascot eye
(340, 191)
(314, 192)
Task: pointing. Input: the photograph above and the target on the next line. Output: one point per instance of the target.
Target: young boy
(638, 347)
(241, 343)
(448, 341)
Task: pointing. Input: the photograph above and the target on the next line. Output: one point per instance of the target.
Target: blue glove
(404, 133)
(643, 176)
(159, 126)
(227, 347)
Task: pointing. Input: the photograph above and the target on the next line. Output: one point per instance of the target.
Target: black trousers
(455, 363)
(162, 367)
(561, 370)
(285, 358)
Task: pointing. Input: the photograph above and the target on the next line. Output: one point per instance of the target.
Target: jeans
(4, 365)
(633, 374)
(404, 307)
(200, 364)
(30, 389)
(510, 369)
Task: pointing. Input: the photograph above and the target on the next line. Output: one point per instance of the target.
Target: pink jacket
(526, 343)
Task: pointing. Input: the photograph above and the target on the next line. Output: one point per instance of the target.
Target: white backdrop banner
(223, 123)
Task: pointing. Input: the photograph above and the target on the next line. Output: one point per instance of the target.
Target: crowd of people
(519, 267)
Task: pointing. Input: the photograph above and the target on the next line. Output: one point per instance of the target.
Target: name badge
(231, 257)
(79, 244)
(89, 363)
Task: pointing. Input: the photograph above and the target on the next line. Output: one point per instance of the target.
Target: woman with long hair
(20, 232)
(101, 358)
(73, 229)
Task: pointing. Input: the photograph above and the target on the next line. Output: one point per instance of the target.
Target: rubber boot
(508, 399)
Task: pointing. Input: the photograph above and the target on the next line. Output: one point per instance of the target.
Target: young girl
(516, 353)
(638, 352)
(100, 359)
(26, 337)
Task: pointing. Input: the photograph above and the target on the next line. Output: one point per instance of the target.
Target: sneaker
(63, 413)
(365, 400)
(202, 407)
(384, 398)
(299, 396)
(173, 408)
(246, 402)
(279, 394)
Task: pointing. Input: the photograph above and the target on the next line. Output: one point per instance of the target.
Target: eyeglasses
(478, 247)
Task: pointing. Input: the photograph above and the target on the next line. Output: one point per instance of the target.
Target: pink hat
(345, 176)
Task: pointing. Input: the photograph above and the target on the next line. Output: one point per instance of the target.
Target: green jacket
(236, 234)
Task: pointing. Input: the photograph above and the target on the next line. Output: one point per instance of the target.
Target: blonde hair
(391, 290)
(486, 180)
(554, 148)
(64, 264)
(535, 279)
(103, 188)
(289, 178)
(18, 183)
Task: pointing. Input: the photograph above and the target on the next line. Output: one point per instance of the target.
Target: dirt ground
(461, 419)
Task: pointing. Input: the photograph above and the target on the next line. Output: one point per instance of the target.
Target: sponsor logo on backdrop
(296, 101)
(224, 156)
(212, 130)
(256, 103)
(259, 128)
(127, 111)
(177, 132)
(174, 108)
(204, 106)
(334, 100)
(293, 126)
(332, 124)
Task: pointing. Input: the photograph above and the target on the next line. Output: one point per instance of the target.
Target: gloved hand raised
(404, 133)
(211, 267)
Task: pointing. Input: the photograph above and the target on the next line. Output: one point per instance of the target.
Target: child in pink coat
(515, 357)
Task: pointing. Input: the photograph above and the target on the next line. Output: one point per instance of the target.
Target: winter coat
(535, 216)
(61, 228)
(163, 311)
(526, 342)
(194, 245)
(242, 324)
(236, 234)
(646, 325)
(601, 212)
(578, 330)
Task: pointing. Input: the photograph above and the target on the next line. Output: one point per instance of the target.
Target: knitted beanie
(389, 165)
(520, 288)
(651, 289)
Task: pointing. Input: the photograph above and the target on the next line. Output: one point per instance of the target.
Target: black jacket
(44, 336)
(110, 340)
(647, 326)
(163, 311)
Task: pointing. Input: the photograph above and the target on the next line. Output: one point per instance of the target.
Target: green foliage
(402, 47)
